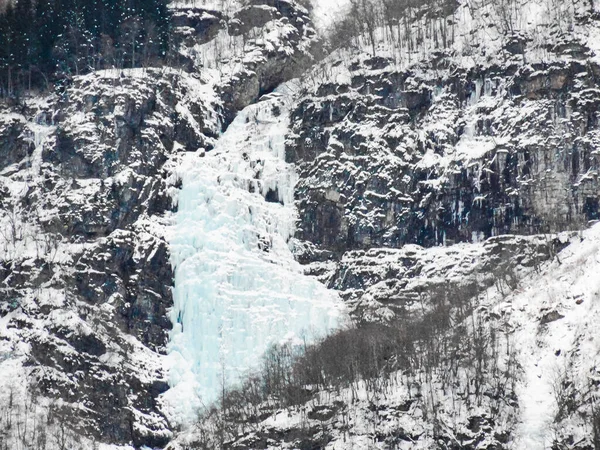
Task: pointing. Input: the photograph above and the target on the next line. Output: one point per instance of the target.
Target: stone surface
(87, 185)
(395, 157)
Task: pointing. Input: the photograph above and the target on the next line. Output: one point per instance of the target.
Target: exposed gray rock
(194, 25)
(86, 184)
(397, 158)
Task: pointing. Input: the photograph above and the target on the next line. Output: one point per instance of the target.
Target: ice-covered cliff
(238, 289)
(89, 180)
(161, 228)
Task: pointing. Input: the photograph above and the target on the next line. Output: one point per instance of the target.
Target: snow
(570, 287)
(327, 11)
(238, 289)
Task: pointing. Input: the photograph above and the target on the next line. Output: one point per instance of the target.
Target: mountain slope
(438, 174)
(88, 182)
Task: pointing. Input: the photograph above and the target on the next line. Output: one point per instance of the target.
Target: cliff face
(433, 178)
(87, 185)
(85, 266)
(443, 154)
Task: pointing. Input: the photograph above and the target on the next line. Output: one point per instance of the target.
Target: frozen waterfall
(238, 288)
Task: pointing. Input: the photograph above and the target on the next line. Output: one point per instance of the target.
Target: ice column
(237, 287)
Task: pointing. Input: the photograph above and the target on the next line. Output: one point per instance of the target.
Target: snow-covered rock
(88, 181)
(417, 183)
(86, 270)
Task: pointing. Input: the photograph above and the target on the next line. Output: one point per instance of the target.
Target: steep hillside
(87, 184)
(175, 241)
(437, 162)
(514, 367)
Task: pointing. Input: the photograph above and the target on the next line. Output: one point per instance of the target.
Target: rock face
(87, 184)
(196, 25)
(382, 284)
(396, 164)
(285, 41)
(450, 155)
(86, 274)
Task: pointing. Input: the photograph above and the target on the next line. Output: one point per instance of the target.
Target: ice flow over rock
(238, 288)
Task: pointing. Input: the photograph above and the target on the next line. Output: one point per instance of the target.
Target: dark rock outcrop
(196, 25)
(291, 54)
(396, 158)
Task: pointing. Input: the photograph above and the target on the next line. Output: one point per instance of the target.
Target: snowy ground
(550, 319)
(568, 292)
